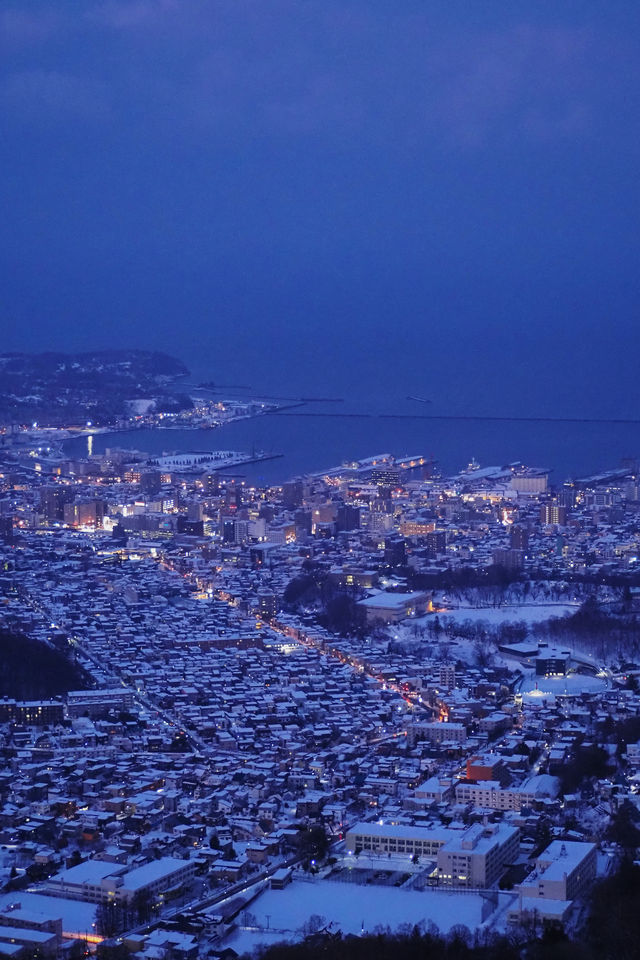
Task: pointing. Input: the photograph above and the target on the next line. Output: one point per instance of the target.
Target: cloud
(532, 82)
(362, 78)
(355, 73)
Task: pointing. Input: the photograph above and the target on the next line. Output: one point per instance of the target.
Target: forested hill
(30, 670)
(60, 388)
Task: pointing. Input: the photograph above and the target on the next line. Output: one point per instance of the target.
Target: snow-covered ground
(351, 908)
(77, 916)
(218, 458)
(246, 941)
(513, 613)
(574, 683)
(140, 406)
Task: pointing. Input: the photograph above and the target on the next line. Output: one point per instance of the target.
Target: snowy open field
(516, 613)
(349, 907)
(575, 683)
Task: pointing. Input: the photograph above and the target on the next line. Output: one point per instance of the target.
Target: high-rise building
(348, 517)
(150, 481)
(395, 552)
(6, 529)
(292, 494)
(228, 530)
(302, 520)
(210, 482)
(553, 514)
(447, 674)
(235, 530)
(519, 537)
(195, 510)
(435, 543)
(385, 476)
(53, 500)
(567, 495)
(89, 513)
(267, 604)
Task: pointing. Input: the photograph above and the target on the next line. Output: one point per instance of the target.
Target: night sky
(343, 197)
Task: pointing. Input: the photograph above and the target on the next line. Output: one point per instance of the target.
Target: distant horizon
(376, 403)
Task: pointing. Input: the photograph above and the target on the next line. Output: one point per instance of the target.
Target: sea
(316, 435)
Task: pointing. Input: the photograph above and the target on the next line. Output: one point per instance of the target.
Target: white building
(438, 732)
(474, 857)
(393, 607)
(490, 793)
(479, 856)
(562, 871)
(98, 881)
(434, 790)
(395, 839)
(96, 703)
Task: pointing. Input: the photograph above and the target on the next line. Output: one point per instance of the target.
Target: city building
(393, 607)
(563, 871)
(97, 703)
(553, 514)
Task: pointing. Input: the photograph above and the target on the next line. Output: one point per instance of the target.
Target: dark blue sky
(348, 197)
